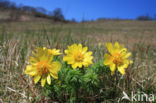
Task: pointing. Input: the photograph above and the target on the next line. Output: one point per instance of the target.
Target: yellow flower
(54, 51)
(78, 56)
(42, 67)
(117, 58)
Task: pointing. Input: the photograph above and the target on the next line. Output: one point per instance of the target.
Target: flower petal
(112, 67)
(54, 69)
(121, 69)
(56, 66)
(107, 59)
(84, 50)
(43, 81)
(55, 76)
(49, 79)
(74, 66)
(130, 62)
(66, 51)
(109, 47)
(117, 46)
(80, 65)
(30, 70)
(127, 55)
(37, 78)
(80, 46)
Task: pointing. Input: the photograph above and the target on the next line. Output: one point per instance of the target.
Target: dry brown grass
(17, 39)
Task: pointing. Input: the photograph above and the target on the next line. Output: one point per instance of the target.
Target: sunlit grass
(18, 39)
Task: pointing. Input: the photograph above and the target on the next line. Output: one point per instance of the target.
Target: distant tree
(28, 9)
(4, 4)
(13, 6)
(154, 17)
(58, 15)
(41, 10)
(17, 11)
(73, 20)
(144, 17)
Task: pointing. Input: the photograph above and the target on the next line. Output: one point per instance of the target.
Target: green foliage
(92, 84)
(80, 85)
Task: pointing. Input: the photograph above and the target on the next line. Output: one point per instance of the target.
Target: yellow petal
(56, 66)
(131, 61)
(74, 66)
(80, 65)
(44, 48)
(89, 53)
(84, 49)
(109, 47)
(107, 59)
(70, 61)
(37, 78)
(33, 60)
(68, 58)
(123, 51)
(54, 51)
(54, 69)
(43, 81)
(55, 76)
(80, 46)
(66, 51)
(127, 62)
(65, 58)
(34, 54)
(112, 67)
(85, 64)
(30, 70)
(49, 79)
(121, 69)
(117, 46)
(127, 55)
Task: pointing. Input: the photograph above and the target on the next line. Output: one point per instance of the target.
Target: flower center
(42, 68)
(117, 59)
(78, 56)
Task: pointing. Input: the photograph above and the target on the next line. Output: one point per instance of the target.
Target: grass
(18, 39)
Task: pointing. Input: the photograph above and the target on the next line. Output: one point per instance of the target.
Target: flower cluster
(117, 58)
(44, 67)
(78, 56)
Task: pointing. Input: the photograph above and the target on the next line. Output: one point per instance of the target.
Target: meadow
(18, 39)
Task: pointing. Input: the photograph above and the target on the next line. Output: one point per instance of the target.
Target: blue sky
(93, 9)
